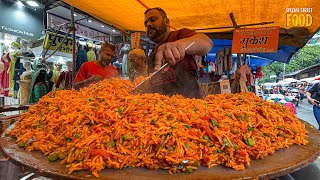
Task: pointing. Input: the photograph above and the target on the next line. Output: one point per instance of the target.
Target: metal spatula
(159, 70)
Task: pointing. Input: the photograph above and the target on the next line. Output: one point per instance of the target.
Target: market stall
(201, 122)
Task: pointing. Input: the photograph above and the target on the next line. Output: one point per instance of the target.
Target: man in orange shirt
(94, 71)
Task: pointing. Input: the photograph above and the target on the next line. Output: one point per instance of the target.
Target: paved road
(305, 112)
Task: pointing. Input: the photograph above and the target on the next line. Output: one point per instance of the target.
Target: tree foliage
(305, 57)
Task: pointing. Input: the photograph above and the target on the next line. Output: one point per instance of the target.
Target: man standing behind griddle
(180, 77)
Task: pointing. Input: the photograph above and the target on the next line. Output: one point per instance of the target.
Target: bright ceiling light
(89, 20)
(33, 3)
(102, 25)
(19, 3)
(74, 14)
(113, 30)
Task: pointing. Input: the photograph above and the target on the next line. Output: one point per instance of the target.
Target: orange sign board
(255, 40)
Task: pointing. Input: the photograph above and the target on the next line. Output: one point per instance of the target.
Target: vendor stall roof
(205, 14)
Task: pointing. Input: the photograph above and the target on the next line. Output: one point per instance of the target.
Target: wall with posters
(20, 21)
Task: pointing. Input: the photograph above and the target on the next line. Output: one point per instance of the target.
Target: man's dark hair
(104, 45)
(162, 12)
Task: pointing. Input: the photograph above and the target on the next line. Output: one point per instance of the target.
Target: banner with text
(255, 40)
(83, 31)
(65, 47)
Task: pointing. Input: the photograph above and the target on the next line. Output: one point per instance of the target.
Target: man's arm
(202, 44)
(173, 52)
(84, 83)
(313, 89)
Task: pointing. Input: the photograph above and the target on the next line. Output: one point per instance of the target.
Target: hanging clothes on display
(11, 70)
(91, 56)
(259, 73)
(56, 74)
(4, 80)
(118, 52)
(228, 53)
(19, 69)
(49, 78)
(65, 78)
(25, 83)
(219, 61)
(81, 57)
(125, 50)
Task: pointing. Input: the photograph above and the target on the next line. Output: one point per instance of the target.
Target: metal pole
(73, 44)
(284, 70)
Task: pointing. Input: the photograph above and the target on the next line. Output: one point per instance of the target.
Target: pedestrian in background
(313, 95)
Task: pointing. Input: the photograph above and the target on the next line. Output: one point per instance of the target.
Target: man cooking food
(180, 77)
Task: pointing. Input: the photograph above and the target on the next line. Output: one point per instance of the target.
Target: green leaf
(250, 142)
(194, 109)
(190, 170)
(214, 123)
(90, 99)
(251, 128)
(120, 109)
(226, 142)
(153, 122)
(68, 139)
(205, 137)
(135, 101)
(37, 122)
(170, 148)
(126, 137)
(22, 144)
(219, 151)
(260, 104)
(228, 114)
(187, 146)
(188, 127)
(78, 135)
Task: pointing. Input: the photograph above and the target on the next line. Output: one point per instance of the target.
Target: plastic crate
(6, 121)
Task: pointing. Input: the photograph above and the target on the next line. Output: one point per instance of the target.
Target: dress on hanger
(4, 80)
(11, 72)
(55, 77)
(81, 58)
(65, 79)
(91, 56)
(125, 51)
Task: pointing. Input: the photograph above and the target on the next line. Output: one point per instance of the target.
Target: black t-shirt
(180, 79)
(315, 92)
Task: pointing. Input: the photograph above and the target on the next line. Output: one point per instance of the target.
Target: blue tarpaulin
(260, 59)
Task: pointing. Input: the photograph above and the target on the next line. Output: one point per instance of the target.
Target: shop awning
(204, 14)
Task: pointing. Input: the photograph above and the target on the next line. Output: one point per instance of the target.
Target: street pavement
(305, 112)
(312, 171)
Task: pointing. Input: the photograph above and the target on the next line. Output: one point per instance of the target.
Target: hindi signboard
(255, 40)
(65, 47)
